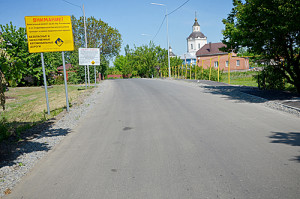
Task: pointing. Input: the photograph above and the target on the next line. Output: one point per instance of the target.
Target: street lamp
(159, 4)
(82, 9)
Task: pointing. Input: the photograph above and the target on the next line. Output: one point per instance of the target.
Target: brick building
(210, 55)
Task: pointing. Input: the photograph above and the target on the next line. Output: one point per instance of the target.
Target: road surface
(157, 139)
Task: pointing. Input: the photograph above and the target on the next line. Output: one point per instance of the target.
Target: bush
(59, 80)
(73, 78)
(205, 74)
(271, 78)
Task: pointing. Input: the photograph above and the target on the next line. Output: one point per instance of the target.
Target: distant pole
(85, 77)
(218, 68)
(210, 69)
(191, 66)
(95, 76)
(85, 47)
(65, 78)
(45, 83)
(196, 70)
(168, 44)
(202, 70)
(228, 68)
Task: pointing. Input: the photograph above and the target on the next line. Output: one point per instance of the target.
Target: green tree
(17, 64)
(14, 53)
(99, 35)
(269, 29)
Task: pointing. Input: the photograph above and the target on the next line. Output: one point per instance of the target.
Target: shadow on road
(29, 141)
(291, 138)
(247, 93)
(234, 93)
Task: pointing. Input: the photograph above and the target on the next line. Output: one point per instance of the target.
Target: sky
(138, 21)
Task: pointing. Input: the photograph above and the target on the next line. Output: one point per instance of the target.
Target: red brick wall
(210, 61)
(114, 76)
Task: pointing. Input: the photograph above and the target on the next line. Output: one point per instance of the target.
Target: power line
(178, 7)
(166, 16)
(72, 4)
(159, 27)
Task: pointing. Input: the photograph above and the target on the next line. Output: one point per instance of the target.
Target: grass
(241, 78)
(26, 106)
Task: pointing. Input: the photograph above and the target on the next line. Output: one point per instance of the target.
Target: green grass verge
(241, 78)
(26, 106)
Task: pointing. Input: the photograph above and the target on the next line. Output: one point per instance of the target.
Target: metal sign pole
(65, 78)
(45, 83)
(88, 71)
(85, 76)
(95, 75)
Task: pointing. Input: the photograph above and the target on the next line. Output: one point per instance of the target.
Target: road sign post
(50, 34)
(45, 83)
(88, 57)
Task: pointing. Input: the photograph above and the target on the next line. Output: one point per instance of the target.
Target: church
(195, 42)
(209, 55)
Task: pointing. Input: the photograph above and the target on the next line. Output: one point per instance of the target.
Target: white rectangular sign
(89, 56)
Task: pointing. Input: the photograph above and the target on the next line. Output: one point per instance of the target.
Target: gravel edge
(38, 147)
(240, 96)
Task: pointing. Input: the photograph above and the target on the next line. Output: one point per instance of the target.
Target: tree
(269, 29)
(14, 53)
(99, 35)
(17, 64)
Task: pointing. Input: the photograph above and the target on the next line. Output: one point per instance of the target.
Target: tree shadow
(235, 93)
(28, 142)
(291, 138)
(245, 93)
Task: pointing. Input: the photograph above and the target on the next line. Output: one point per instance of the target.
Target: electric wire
(72, 4)
(159, 27)
(168, 15)
(178, 7)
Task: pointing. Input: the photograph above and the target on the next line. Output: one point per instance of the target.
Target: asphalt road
(155, 139)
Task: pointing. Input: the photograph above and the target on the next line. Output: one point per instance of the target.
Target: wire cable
(167, 15)
(178, 7)
(159, 27)
(72, 4)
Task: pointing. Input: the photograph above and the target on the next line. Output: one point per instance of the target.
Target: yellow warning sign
(49, 33)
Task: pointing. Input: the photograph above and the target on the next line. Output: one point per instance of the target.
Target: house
(210, 55)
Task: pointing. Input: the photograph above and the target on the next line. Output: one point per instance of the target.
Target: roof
(196, 23)
(68, 66)
(188, 56)
(210, 49)
(196, 34)
(172, 54)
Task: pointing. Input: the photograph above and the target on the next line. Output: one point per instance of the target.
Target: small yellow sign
(49, 33)
(93, 62)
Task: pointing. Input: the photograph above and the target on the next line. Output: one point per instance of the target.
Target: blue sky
(132, 18)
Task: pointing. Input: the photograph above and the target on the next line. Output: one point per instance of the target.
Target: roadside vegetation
(248, 78)
(269, 31)
(26, 106)
(22, 99)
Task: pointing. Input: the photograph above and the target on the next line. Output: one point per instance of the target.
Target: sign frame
(89, 56)
(49, 33)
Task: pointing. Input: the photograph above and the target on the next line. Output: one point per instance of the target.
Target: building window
(198, 46)
(226, 63)
(191, 46)
(216, 64)
(237, 62)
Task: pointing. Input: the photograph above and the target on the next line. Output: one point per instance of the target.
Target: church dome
(195, 35)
